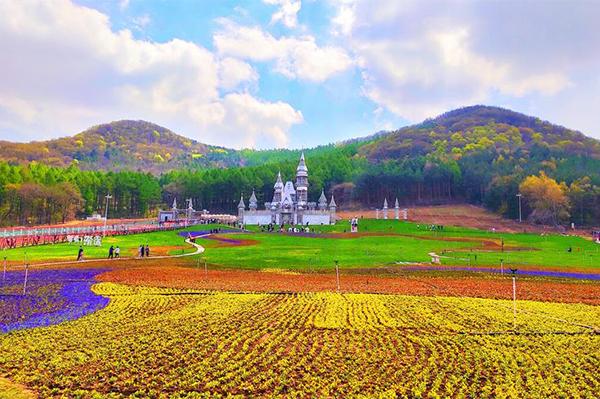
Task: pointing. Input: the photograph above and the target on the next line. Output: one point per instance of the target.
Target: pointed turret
(278, 191)
(279, 181)
(253, 202)
(397, 209)
(385, 208)
(302, 166)
(241, 208)
(332, 209)
(174, 207)
(396, 204)
(302, 181)
(322, 201)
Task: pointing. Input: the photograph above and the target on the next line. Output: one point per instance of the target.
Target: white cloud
(141, 22)
(67, 70)
(287, 12)
(345, 18)
(419, 58)
(294, 57)
(263, 123)
(234, 72)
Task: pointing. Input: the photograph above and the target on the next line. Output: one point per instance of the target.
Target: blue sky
(291, 73)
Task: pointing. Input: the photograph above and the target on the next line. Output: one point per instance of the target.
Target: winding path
(199, 249)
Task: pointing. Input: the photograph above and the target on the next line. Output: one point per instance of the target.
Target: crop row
(151, 342)
(407, 283)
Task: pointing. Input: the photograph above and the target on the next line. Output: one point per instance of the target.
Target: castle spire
(253, 202)
(322, 201)
(302, 182)
(241, 205)
(279, 181)
(302, 170)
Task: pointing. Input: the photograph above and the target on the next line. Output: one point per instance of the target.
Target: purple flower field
(52, 296)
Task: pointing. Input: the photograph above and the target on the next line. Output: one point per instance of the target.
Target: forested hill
(480, 155)
(121, 145)
(477, 128)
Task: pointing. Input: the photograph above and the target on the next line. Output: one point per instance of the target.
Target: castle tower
(302, 182)
(174, 207)
(253, 202)
(385, 209)
(332, 210)
(241, 208)
(278, 190)
(322, 202)
(397, 209)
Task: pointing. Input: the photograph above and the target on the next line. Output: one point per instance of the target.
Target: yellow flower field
(153, 342)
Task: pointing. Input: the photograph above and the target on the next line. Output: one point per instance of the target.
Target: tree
(547, 199)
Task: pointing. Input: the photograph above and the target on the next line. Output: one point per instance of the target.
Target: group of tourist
(271, 228)
(115, 252)
(143, 251)
(434, 227)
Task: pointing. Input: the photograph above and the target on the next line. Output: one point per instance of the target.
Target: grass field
(388, 242)
(156, 343)
(161, 243)
(379, 243)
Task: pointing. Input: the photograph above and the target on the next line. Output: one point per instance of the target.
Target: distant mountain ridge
(120, 145)
(480, 127)
(145, 146)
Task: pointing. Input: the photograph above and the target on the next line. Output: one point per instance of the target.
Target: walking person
(80, 254)
(117, 252)
(141, 251)
(111, 252)
(147, 251)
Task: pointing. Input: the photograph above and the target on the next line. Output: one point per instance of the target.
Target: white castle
(290, 204)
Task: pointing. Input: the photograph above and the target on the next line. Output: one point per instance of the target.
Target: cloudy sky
(295, 73)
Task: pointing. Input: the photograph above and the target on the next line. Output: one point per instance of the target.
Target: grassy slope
(168, 241)
(308, 253)
(294, 252)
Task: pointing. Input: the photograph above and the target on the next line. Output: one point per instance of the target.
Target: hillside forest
(479, 155)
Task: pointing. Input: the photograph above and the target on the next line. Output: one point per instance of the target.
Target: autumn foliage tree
(547, 198)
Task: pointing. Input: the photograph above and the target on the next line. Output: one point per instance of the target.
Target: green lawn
(295, 252)
(127, 243)
(398, 242)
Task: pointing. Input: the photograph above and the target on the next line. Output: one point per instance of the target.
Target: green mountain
(478, 128)
(477, 154)
(121, 145)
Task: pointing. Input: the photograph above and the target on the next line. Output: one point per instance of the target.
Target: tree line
(39, 194)
(556, 188)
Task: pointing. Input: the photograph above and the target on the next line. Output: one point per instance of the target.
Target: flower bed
(52, 296)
